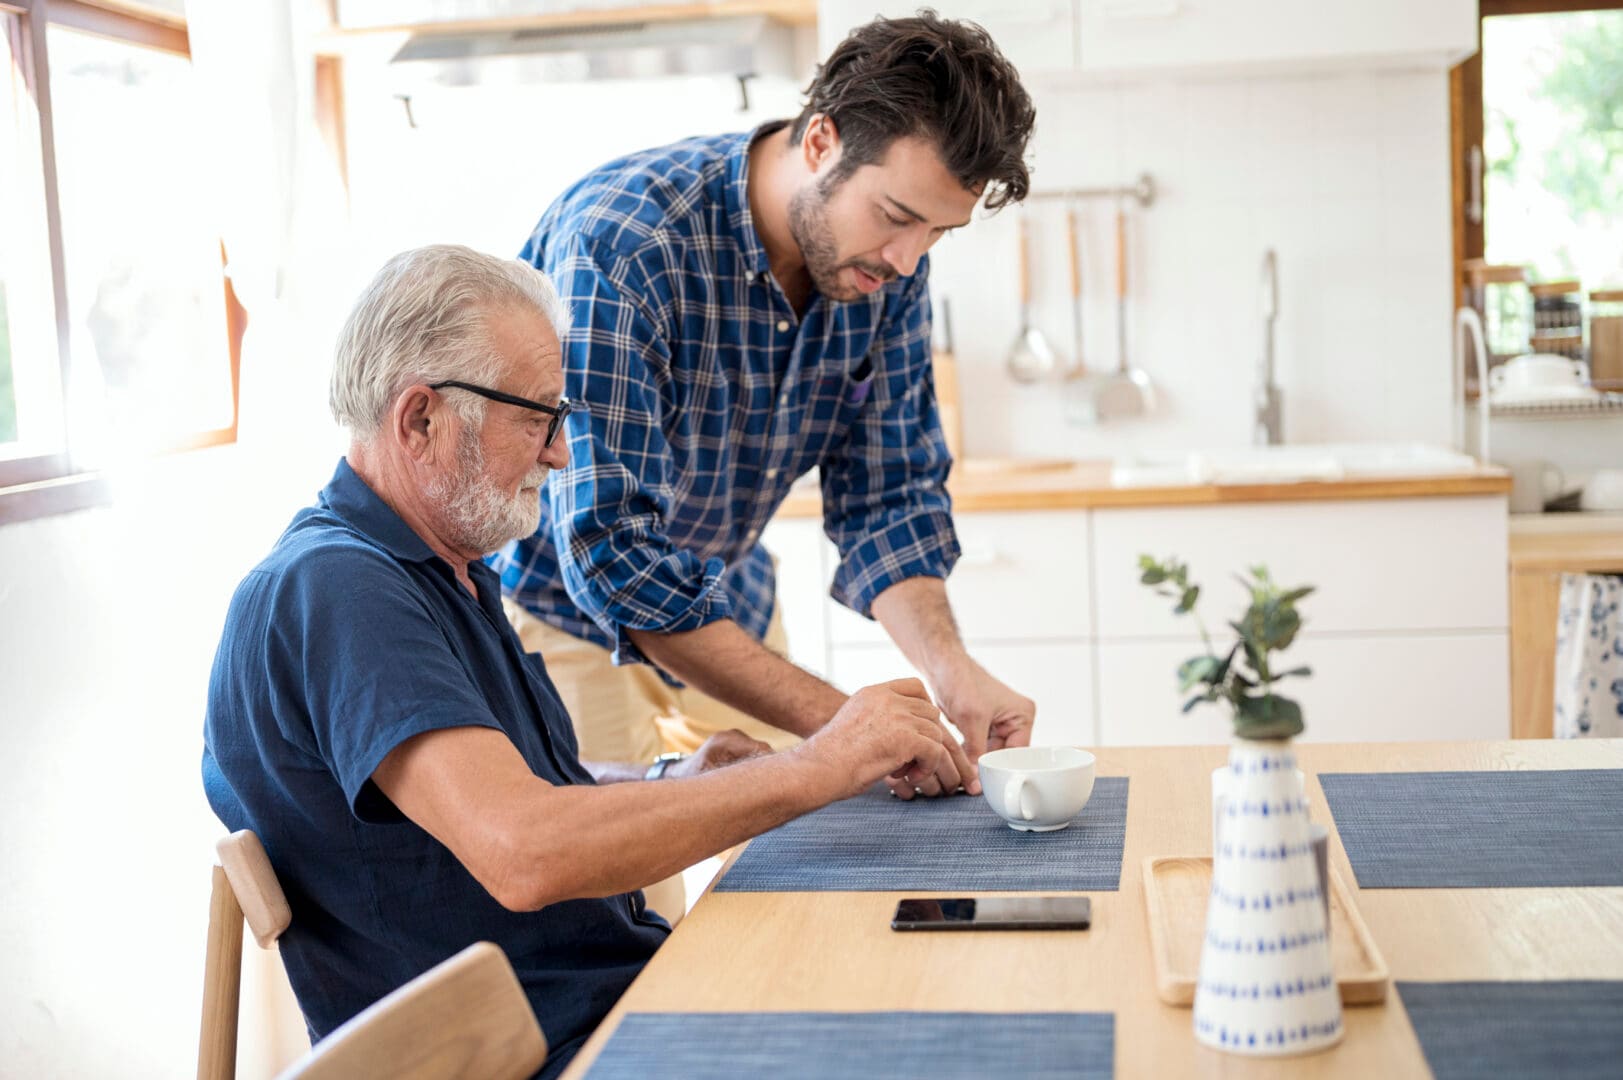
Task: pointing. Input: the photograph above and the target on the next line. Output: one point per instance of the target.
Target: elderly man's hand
(892, 732)
(722, 748)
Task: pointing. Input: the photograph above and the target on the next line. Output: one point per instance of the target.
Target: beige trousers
(630, 714)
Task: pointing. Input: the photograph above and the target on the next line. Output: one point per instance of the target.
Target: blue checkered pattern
(707, 398)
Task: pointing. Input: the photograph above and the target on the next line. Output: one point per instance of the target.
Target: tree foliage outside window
(1553, 141)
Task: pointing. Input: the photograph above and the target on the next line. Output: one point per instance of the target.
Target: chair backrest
(466, 1016)
(245, 887)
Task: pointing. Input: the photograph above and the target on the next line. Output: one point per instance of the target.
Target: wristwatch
(661, 763)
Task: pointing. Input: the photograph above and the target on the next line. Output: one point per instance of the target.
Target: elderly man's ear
(418, 418)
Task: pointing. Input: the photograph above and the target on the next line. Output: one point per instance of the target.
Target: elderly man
(409, 767)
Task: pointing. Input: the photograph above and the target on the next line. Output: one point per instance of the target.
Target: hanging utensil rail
(1143, 191)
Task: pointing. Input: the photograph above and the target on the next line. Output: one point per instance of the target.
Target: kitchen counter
(1008, 484)
(1562, 541)
(1542, 548)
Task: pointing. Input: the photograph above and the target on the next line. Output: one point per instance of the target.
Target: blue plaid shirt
(707, 398)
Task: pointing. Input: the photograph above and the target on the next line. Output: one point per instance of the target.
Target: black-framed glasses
(557, 412)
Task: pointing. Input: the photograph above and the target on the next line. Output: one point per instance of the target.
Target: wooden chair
(466, 1016)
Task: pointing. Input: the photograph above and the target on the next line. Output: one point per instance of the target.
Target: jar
(1558, 319)
(1499, 295)
(1606, 338)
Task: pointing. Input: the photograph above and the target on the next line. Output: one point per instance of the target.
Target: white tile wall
(1345, 176)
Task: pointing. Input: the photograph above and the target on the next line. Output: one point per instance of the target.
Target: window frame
(50, 483)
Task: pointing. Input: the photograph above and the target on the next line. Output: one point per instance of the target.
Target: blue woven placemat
(1518, 1029)
(1457, 830)
(875, 843)
(813, 1046)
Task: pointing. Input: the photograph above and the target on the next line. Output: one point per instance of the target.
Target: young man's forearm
(918, 618)
(722, 660)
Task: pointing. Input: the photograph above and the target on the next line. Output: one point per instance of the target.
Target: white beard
(483, 517)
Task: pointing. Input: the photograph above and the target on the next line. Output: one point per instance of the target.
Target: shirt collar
(739, 217)
(352, 499)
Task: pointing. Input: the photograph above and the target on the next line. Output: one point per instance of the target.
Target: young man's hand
(989, 713)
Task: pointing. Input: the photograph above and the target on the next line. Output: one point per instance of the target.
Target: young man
(747, 308)
(409, 767)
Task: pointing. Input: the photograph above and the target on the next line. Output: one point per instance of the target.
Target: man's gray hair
(423, 320)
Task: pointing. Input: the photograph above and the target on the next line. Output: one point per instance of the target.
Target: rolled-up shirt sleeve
(610, 505)
(885, 502)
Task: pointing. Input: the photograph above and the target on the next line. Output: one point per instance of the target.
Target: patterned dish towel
(1589, 657)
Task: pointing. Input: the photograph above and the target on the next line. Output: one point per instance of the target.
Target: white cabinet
(1373, 688)
(1020, 577)
(1037, 36)
(1407, 634)
(1387, 565)
(1057, 675)
(1170, 37)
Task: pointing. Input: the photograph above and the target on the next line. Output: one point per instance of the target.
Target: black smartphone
(995, 913)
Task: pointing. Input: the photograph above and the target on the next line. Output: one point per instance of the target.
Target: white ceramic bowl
(1603, 491)
(1037, 788)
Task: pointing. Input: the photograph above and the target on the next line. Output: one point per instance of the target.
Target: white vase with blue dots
(1266, 983)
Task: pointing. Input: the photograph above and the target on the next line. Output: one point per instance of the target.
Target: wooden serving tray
(1176, 889)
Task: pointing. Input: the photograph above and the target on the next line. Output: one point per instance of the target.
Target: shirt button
(750, 539)
(771, 474)
(783, 325)
(784, 400)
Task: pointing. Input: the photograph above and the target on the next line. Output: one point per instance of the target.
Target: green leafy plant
(1244, 676)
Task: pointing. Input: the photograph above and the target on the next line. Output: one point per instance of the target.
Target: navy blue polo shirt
(350, 638)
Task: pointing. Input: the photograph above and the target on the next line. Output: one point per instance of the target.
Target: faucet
(1466, 318)
(1266, 423)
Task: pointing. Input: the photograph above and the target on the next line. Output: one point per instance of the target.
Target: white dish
(1543, 395)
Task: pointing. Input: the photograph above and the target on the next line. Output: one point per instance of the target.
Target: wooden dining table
(835, 951)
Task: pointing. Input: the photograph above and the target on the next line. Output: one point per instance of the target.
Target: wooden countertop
(1590, 542)
(755, 952)
(1007, 484)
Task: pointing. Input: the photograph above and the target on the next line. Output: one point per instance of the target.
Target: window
(1552, 106)
(1538, 140)
(118, 331)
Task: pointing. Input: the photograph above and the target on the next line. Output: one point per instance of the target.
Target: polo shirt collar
(739, 218)
(348, 496)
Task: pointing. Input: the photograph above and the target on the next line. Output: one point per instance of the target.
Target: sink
(1295, 464)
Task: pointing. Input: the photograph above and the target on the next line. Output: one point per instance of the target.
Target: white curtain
(1589, 657)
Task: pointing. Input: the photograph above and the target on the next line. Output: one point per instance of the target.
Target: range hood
(740, 46)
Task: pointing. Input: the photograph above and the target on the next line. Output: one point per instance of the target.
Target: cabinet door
(1389, 688)
(1057, 675)
(1380, 565)
(1023, 576)
(1123, 37)
(1036, 35)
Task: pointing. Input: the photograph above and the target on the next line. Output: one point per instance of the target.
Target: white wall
(484, 162)
(108, 623)
(1346, 176)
